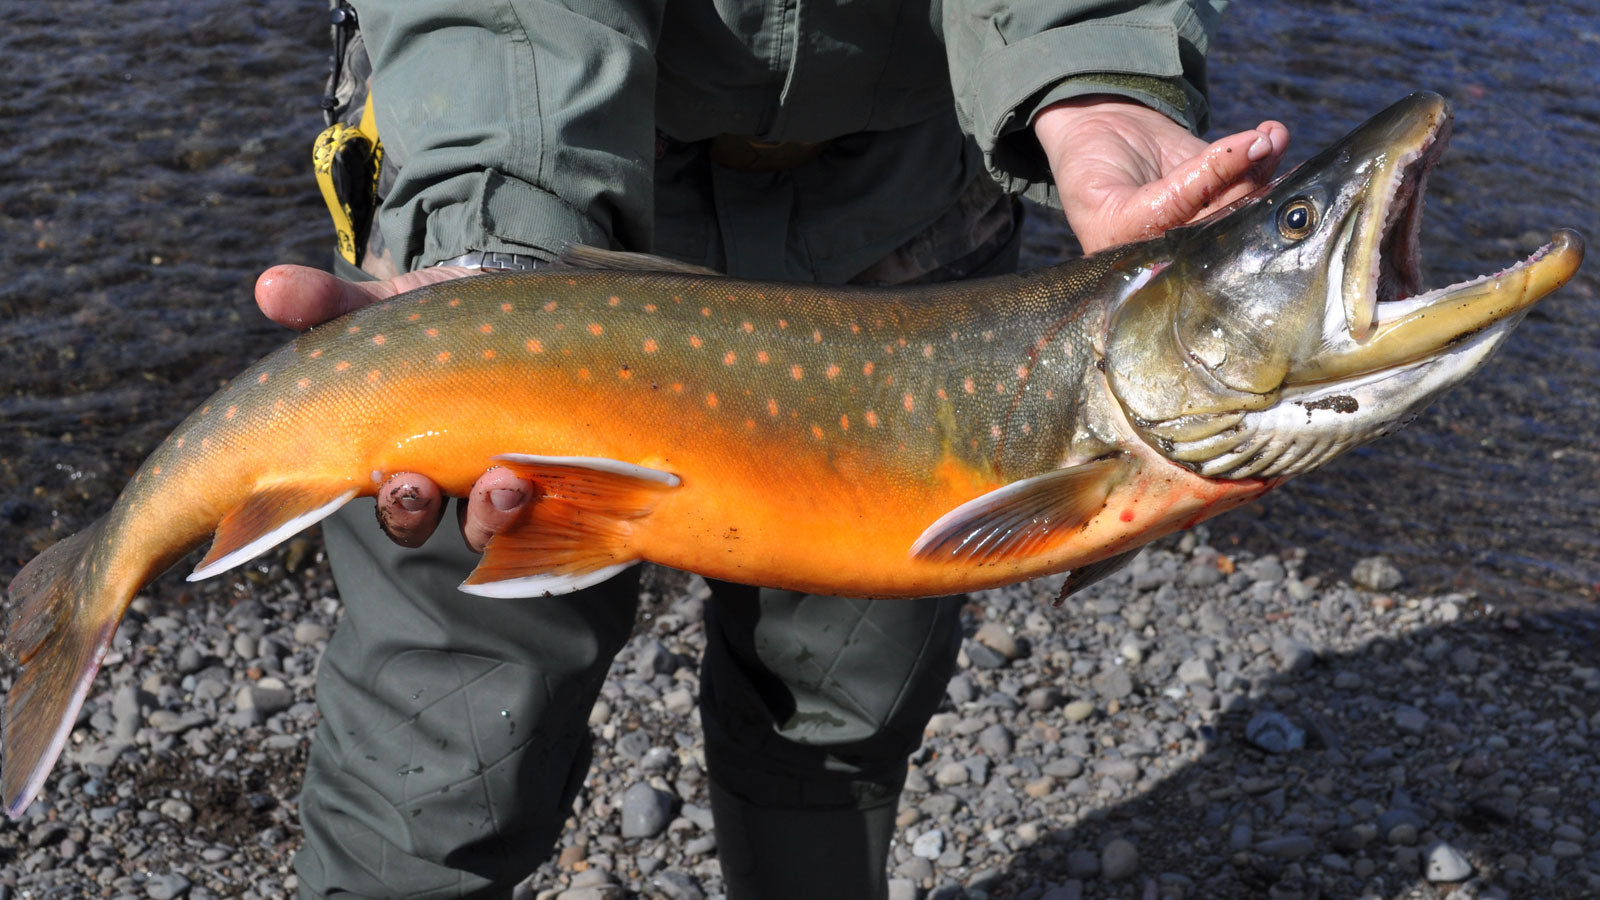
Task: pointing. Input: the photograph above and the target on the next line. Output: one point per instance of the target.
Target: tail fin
(58, 635)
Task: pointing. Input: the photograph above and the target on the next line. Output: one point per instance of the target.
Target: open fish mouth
(1378, 315)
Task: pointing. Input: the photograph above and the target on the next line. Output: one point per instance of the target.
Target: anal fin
(1022, 518)
(270, 517)
(577, 530)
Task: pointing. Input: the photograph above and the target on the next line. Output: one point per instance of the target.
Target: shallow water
(154, 159)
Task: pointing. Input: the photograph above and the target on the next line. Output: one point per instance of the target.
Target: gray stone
(1377, 573)
(961, 690)
(902, 889)
(166, 887)
(951, 774)
(677, 886)
(1072, 889)
(996, 741)
(1083, 863)
(983, 656)
(1043, 699)
(1446, 863)
(1119, 860)
(998, 638)
(929, 844)
(310, 633)
(1295, 656)
(645, 811)
(1410, 720)
(1113, 683)
(1289, 846)
(1077, 711)
(1196, 670)
(1274, 733)
(1064, 767)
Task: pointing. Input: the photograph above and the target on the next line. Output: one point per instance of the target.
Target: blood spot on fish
(872, 419)
(832, 372)
(711, 400)
(303, 383)
(596, 329)
(796, 372)
(379, 340)
(694, 341)
(816, 432)
(772, 407)
(506, 307)
(1127, 515)
(763, 357)
(534, 346)
(650, 346)
(551, 306)
(729, 358)
(263, 378)
(908, 403)
(486, 328)
(232, 411)
(443, 356)
(341, 365)
(613, 301)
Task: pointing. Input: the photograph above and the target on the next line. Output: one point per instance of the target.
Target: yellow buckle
(347, 161)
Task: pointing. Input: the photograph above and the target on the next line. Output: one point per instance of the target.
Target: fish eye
(1297, 218)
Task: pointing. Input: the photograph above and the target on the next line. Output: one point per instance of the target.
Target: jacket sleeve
(517, 125)
(1010, 60)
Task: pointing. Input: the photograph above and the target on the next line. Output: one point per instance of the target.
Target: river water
(154, 159)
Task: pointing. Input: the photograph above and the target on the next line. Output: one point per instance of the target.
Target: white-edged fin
(545, 585)
(576, 532)
(1022, 518)
(266, 520)
(583, 256)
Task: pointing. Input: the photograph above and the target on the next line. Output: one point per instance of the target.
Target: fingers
(409, 508)
(497, 500)
(300, 296)
(1227, 170)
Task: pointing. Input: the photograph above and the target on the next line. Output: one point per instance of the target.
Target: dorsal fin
(583, 256)
(1021, 518)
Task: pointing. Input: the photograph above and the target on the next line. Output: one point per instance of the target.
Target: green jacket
(520, 125)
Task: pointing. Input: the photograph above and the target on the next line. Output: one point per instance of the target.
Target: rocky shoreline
(1204, 724)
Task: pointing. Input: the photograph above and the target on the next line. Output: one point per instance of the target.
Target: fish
(870, 442)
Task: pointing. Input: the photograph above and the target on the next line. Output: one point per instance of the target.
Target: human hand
(410, 504)
(1126, 172)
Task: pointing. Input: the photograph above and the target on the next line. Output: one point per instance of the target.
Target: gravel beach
(1204, 724)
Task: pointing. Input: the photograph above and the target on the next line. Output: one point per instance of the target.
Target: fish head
(1292, 326)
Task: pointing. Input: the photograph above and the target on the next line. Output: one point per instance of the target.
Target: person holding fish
(872, 143)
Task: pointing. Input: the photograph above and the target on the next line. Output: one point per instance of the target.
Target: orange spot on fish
(178, 444)
(832, 371)
(694, 341)
(762, 356)
(584, 374)
(444, 356)
(783, 323)
(677, 387)
(772, 407)
(506, 307)
(650, 346)
(353, 329)
(455, 302)
(988, 336)
(872, 419)
(927, 351)
(994, 431)
(303, 383)
(534, 346)
(277, 406)
(729, 358)
(571, 282)
(373, 376)
(262, 379)
(341, 365)
(816, 432)
(854, 328)
(816, 336)
(942, 394)
(749, 424)
(486, 328)
(232, 411)
(796, 372)
(316, 354)
(613, 301)
(844, 423)
(907, 402)
(596, 329)
(649, 307)
(711, 400)
(624, 373)
(1022, 373)
(748, 327)
(551, 306)
(999, 387)
(705, 311)
(488, 354)
(155, 470)
(379, 340)
(205, 443)
(413, 317)
(968, 386)
(866, 369)
(422, 302)
(1127, 515)
(432, 332)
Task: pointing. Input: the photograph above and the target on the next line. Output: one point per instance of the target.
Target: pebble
(1119, 860)
(1377, 573)
(1446, 863)
(929, 844)
(998, 638)
(1077, 711)
(1274, 733)
(645, 811)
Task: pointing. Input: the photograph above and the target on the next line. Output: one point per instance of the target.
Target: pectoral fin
(270, 517)
(1023, 517)
(575, 533)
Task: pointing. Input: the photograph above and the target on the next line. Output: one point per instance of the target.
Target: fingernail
(409, 499)
(1260, 150)
(506, 499)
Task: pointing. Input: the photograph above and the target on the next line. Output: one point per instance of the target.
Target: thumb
(300, 296)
